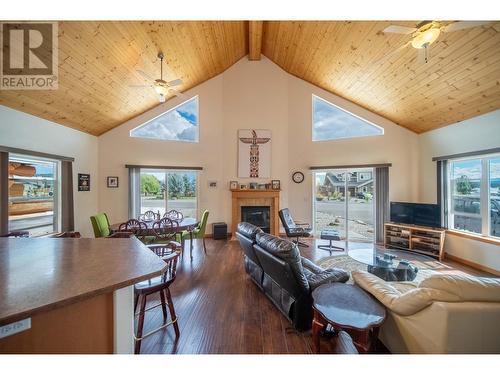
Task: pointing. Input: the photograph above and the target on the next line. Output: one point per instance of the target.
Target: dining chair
(198, 232)
(138, 228)
(149, 216)
(170, 255)
(100, 224)
(174, 215)
(165, 231)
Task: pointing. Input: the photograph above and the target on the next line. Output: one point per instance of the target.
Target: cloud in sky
(178, 124)
(330, 122)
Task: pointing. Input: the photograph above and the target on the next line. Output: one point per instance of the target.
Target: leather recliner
(246, 232)
(289, 279)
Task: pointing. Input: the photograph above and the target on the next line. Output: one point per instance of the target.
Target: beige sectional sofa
(444, 313)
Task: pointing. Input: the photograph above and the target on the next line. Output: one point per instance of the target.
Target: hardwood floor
(221, 311)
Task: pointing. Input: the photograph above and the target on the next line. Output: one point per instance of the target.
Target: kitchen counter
(40, 275)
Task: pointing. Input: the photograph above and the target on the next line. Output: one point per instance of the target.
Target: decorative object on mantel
(298, 177)
(243, 186)
(212, 184)
(112, 181)
(83, 182)
(276, 185)
(254, 153)
(233, 185)
(253, 185)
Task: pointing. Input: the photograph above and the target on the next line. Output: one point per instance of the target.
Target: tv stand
(418, 239)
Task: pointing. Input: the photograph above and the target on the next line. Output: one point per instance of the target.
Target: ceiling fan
(427, 33)
(162, 87)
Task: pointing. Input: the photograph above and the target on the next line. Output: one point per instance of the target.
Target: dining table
(185, 224)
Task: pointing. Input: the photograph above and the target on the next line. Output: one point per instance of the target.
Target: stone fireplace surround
(255, 197)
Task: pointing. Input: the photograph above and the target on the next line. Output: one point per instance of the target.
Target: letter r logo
(27, 49)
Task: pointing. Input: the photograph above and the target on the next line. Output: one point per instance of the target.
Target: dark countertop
(40, 274)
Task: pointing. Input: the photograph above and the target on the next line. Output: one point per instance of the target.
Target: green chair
(198, 232)
(100, 224)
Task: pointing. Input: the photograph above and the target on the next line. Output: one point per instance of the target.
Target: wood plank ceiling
(98, 62)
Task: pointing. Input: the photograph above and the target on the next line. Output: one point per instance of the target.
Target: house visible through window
(177, 124)
(474, 195)
(331, 122)
(33, 194)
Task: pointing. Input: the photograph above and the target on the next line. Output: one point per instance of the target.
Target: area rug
(343, 262)
(348, 264)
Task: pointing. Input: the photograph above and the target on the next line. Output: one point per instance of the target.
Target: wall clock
(298, 177)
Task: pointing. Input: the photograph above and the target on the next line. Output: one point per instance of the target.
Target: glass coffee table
(392, 265)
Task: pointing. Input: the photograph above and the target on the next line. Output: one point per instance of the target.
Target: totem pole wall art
(254, 153)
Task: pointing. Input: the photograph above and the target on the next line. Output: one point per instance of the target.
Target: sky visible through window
(331, 122)
(177, 124)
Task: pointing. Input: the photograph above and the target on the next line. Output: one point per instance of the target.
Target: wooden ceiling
(98, 63)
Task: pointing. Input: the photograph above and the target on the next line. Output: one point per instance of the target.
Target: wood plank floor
(221, 311)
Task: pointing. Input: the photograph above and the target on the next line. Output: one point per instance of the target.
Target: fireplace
(255, 198)
(257, 215)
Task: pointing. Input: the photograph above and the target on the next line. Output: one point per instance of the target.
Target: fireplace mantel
(255, 197)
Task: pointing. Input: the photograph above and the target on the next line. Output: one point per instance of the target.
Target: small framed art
(233, 185)
(275, 184)
(112, 181)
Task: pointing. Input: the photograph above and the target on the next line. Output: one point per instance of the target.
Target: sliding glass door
(344, 201)
(162, 191)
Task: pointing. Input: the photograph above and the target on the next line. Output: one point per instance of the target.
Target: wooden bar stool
(170, 254)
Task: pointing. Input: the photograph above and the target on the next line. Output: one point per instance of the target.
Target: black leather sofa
(287, 278)
(246, 232)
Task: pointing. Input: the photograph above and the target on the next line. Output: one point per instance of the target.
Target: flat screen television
(427, 215)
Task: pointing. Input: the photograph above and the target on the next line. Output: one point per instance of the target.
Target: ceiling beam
(255, 40)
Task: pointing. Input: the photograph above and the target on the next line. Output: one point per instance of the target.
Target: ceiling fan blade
(145, 75)
(460, 25)
(177, 93)
(399, 29)
(386, 57)
(175, 82)
(140, 86)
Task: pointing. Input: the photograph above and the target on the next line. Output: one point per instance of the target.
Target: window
(162, 191)
(177, 124)
(331, 122)
(33, 194)
(474, 195)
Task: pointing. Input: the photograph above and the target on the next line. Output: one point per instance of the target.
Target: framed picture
(253, 185)
(112, 181)
(243, 186)
(233, 185)
(275, 184)
(212, 184)
(83, 182)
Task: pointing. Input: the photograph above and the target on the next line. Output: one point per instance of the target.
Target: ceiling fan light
(160, 89)
(426, 37)
(162, 98)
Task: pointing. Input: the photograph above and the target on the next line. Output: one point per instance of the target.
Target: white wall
(258, 95)
(20, 130)
(479, 133)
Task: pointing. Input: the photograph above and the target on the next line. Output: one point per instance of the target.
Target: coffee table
(392, 265)
(348, 308)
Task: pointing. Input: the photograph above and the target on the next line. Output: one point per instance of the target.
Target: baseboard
(471, 264)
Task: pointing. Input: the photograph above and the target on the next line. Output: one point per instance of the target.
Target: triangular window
(176, 124)
(331, 122)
